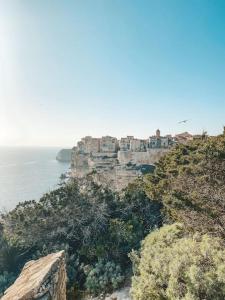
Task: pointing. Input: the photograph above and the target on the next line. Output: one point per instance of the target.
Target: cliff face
(64, 155)
(42, 279)
(116, 162)
(118, 169)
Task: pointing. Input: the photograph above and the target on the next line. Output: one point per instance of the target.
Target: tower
(158, 133)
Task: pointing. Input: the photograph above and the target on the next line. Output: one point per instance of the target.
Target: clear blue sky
(117, 67)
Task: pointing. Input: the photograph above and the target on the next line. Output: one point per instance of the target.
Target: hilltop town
(119, 162)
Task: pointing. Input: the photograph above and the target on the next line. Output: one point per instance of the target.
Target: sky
(109, 67)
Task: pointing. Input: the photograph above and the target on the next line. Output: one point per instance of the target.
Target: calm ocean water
(27, 173)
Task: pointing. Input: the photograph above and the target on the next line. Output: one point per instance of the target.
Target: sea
(26, 173)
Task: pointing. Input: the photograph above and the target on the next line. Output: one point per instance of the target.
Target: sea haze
(27, 173)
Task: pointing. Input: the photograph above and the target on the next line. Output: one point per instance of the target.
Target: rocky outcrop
(41, 279)
(116, 163)
(118, 169)
(122, 294)
(64, 155)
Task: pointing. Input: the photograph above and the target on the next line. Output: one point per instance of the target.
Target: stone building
(135, 145)
(138, 145)
(124, 143)
(108, 144)
(154, 142)
(158, 141)
(164, 142)
(88, 144)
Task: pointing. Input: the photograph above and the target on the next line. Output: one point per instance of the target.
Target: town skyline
(75, 140)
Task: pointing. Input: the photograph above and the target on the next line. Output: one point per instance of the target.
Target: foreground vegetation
(173, 265)
(95, 226)
(99, 228)
(190, 184)
(185, 262)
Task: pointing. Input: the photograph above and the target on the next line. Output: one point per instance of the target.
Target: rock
(122, 294)
(42, 279)
(64, 155)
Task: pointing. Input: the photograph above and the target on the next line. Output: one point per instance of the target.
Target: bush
(103, 277)
(90, 222)
(189, 182)
(6, 279)
(10, 263)
(173, 266)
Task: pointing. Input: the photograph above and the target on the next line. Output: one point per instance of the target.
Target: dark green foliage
(103, 277)
(9, 262)
(97, 228)
(138, 215)
(190, 183)
(88, 221)
(6, 279)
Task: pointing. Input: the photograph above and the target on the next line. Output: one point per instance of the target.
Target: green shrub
(6, 279)
(103, 277)
(90, 222)
(173, 266)
(189, 182)
(10, 263)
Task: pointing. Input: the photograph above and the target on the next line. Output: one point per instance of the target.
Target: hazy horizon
(76, 68)
(75, 140)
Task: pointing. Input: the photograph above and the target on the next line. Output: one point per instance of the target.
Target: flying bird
(184, 121)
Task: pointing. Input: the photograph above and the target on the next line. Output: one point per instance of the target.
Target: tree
(190, 183)
(90, 222)
(71, 217)
(9, 262)
(174, 266)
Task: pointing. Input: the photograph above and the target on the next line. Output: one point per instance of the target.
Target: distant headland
(64, 155)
